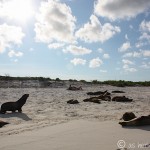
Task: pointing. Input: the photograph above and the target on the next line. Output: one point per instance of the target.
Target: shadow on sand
(16, 114)
(146, 127)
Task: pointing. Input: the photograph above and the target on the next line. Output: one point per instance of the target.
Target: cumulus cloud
(145, 36)
(55, 45)
(55, 23)
(137, 54)
(19, 10)
(126, 65)
(145, 32)
(133, 54)
(96, 62)
(13, 53)
(128, 62)
(140, 44)
(129, 69)
(106, 56)
(9, 36)
(94, 31)
(120, 9)
(77, 50)
(78, 61)
(145, 26)
(125, 46)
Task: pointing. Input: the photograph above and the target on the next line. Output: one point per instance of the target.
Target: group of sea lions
(106, 96)
(103, 96)
(13, 106)
(129, 118)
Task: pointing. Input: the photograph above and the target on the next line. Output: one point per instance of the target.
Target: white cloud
(128, 69)
(126, 66)
(145, 26)
(78, 61)
(106, 56)
(137, 54)
(145, 65)
(133, 54)
(125, 46)
(13, 53)
(77, 50)
(55, 23)
(96, 62)
(103, 71)
(145, 30)
(126, 37)
(120, 9)
(140, 44)
(9, 36)
(55, 45)
(146, 53)
(19, 10)
(128, 62)
(145, 36)
(100, 50)
(93, 31)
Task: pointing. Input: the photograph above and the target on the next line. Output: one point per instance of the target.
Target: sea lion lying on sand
(121, 99)
(74, 88)
(93, 99)
(116, 91)
(97, 93)
(13, 106)
(72, 101)
(140, 121)
(2, 123)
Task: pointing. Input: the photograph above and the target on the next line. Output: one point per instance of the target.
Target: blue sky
(76, 39)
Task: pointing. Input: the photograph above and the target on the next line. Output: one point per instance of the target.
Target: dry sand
(48, 122)
(79, 135)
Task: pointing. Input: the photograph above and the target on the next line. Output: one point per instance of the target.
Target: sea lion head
(128, 116)
(23, 99)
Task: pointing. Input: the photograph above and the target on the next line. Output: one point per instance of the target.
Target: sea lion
(2, 123)
(13, 106)
(72, 101)
(97, 93)
(92, 99)
(140, 121)
(116, 91)
(121, 99)
(128, 116)
(74, 88)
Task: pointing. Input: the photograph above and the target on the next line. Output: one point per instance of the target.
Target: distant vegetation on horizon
(119, 83)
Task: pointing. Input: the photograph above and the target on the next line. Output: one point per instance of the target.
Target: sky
(76, 39)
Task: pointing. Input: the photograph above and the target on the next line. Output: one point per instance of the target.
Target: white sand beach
(48, 122)
(79, 135)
